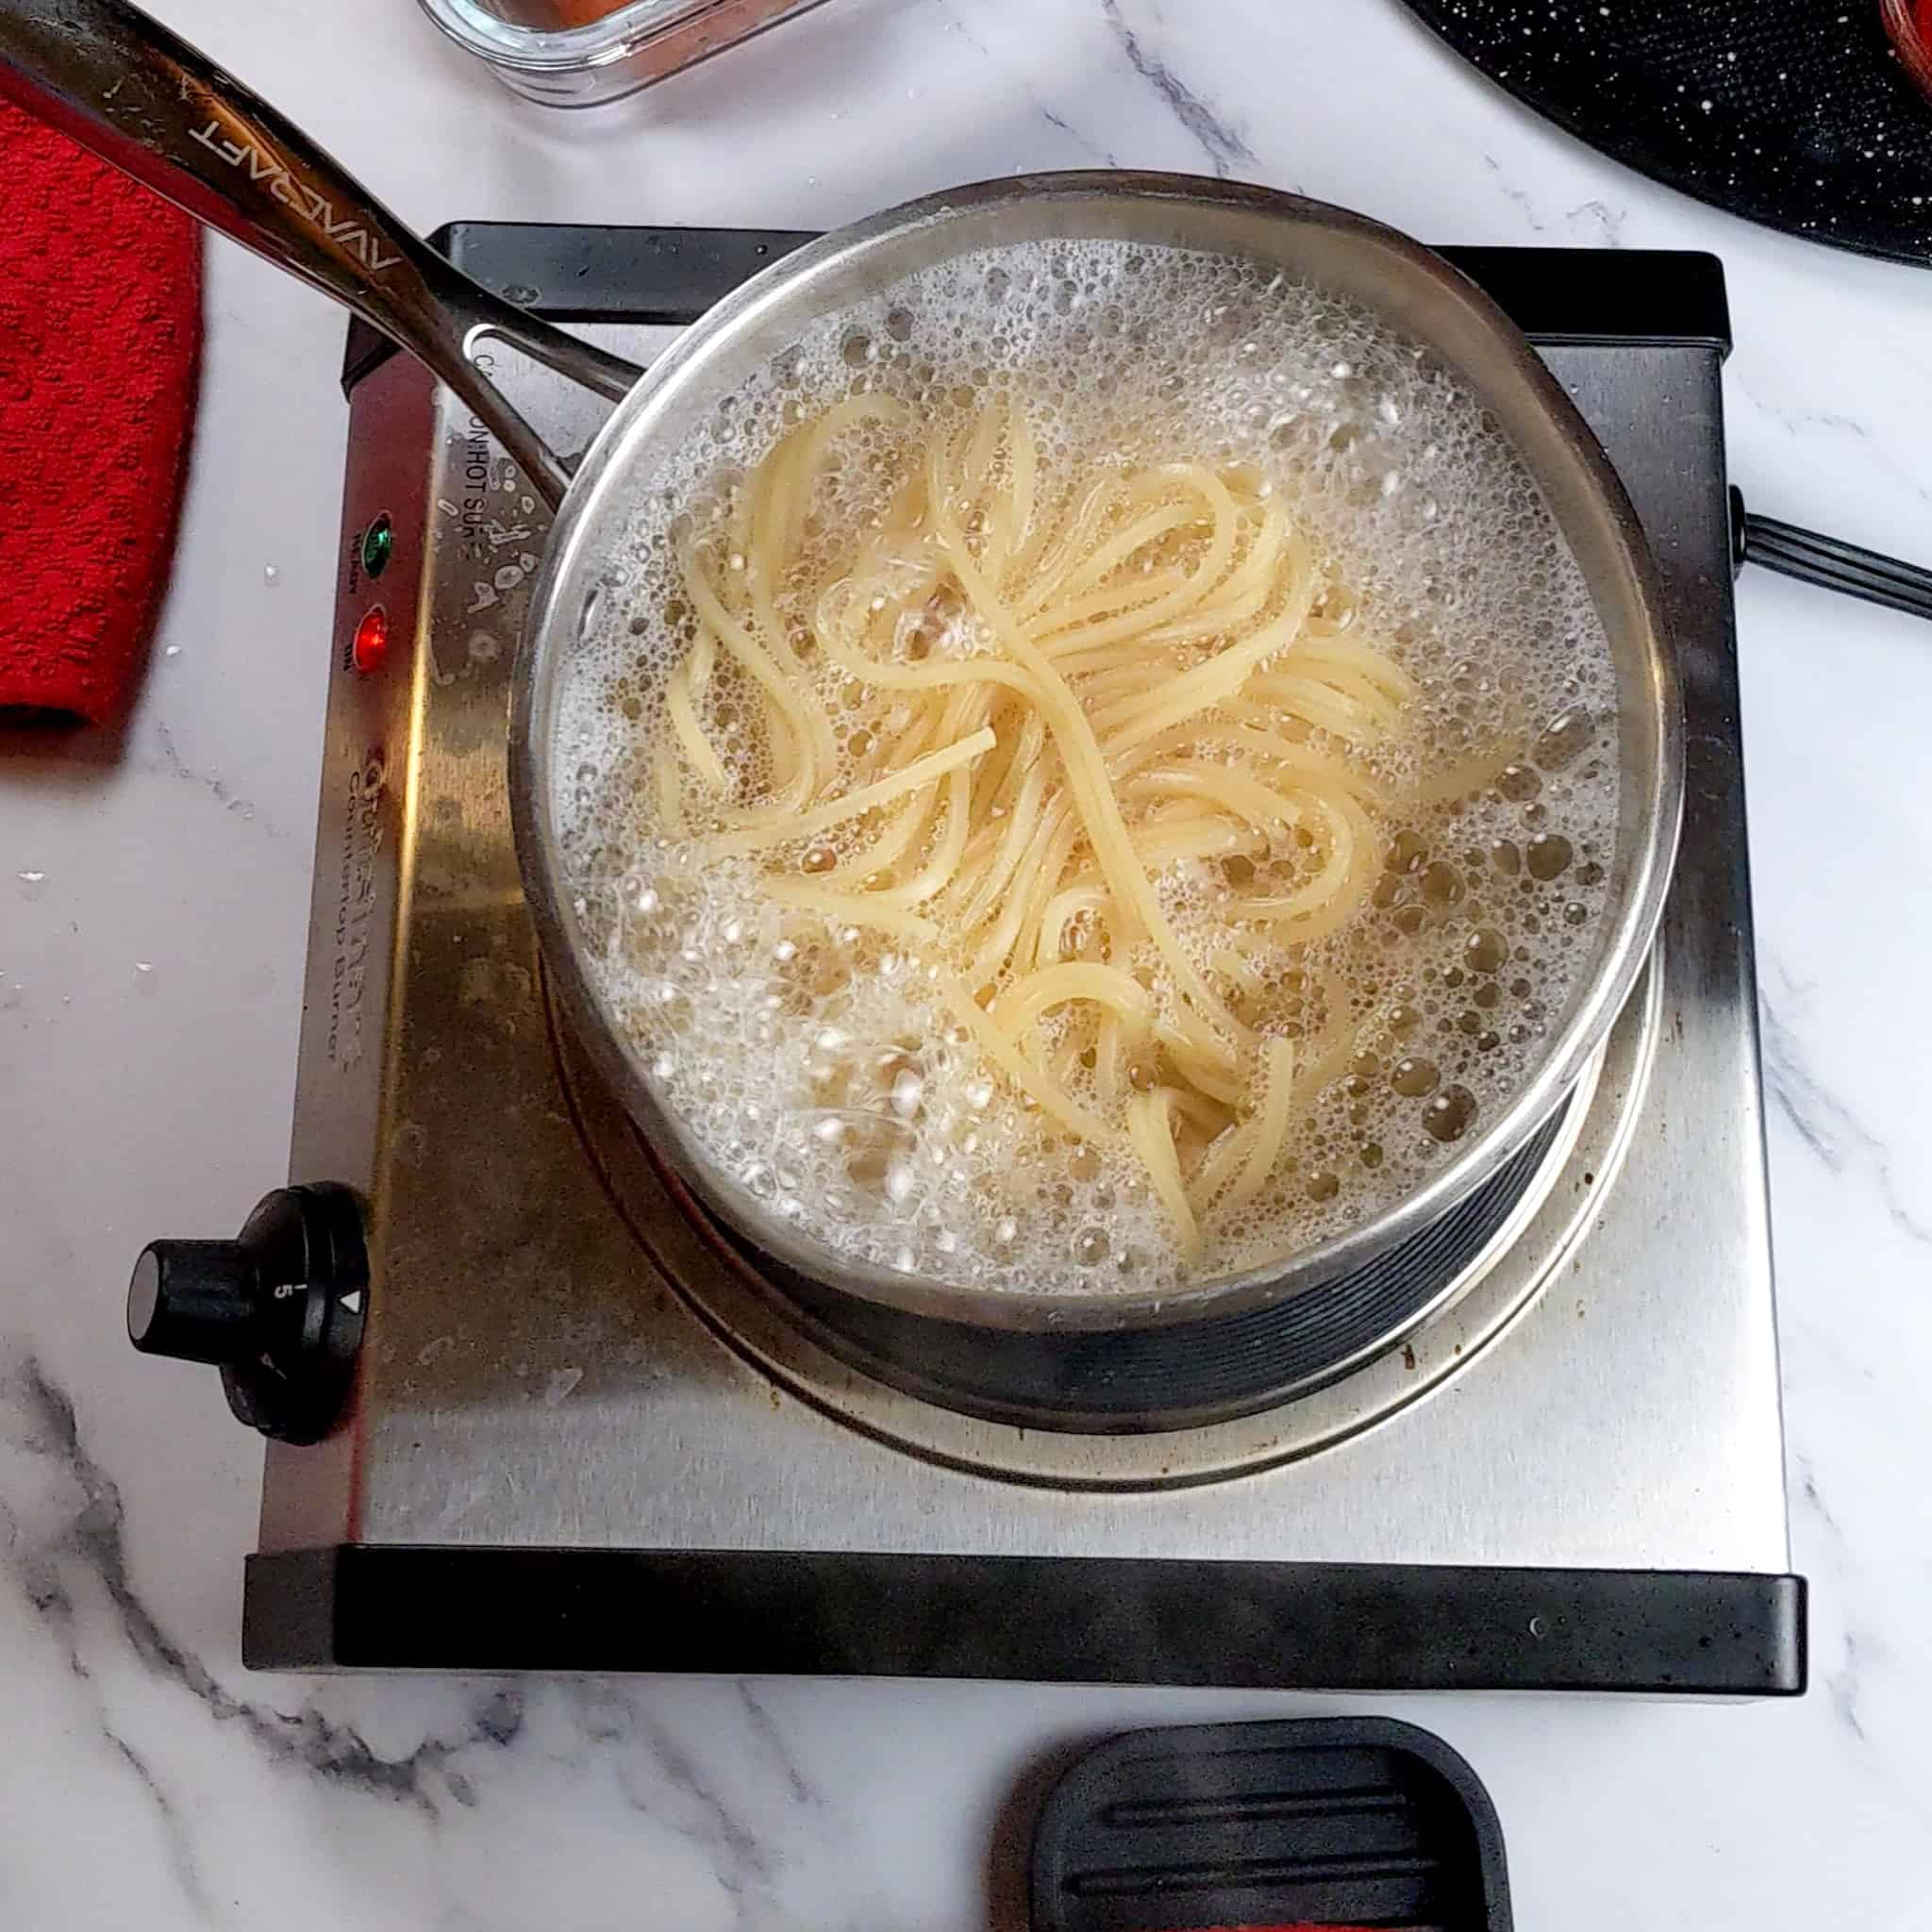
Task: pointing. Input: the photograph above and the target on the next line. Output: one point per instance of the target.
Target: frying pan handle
(121, 84)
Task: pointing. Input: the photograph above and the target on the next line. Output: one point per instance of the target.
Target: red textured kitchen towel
(100, 335)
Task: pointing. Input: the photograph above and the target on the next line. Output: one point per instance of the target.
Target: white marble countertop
(147, 1031)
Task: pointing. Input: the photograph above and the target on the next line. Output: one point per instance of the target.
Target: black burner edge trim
(582, 273)
(1039, 1618)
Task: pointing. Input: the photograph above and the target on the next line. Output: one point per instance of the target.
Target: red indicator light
(372, 641)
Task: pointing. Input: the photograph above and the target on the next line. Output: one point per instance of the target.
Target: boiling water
(820, 1070)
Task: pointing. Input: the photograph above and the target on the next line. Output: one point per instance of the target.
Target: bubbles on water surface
(818, 1066)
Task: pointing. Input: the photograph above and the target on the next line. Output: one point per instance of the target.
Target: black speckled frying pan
(1796, 113)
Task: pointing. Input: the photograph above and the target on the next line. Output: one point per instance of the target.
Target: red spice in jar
(563, 13)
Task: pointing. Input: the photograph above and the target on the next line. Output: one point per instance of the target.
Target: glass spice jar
(577, 53)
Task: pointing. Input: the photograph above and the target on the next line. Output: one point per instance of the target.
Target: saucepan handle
(121, 84)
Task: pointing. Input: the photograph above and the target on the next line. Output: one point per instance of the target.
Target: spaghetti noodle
(1013, 724)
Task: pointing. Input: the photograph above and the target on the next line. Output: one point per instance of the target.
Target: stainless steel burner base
(1463, 1315)
(538, 1387)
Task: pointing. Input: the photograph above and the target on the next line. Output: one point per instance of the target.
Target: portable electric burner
(532, 1411)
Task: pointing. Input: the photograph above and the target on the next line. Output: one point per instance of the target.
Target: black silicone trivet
(1360, 1821)
(1796, 113)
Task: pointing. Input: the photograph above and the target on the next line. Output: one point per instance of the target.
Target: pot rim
(1570, 467)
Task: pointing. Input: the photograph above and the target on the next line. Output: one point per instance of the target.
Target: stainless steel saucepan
(126, 87)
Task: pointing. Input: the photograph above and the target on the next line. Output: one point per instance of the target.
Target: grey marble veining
(149, 1781)
(1225, 151)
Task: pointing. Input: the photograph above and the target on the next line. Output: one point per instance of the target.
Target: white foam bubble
(831, 1083)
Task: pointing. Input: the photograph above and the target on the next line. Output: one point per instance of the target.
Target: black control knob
(194, 1300)
(279, 1310)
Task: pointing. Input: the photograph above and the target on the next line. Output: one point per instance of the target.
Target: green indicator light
(378, 541)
